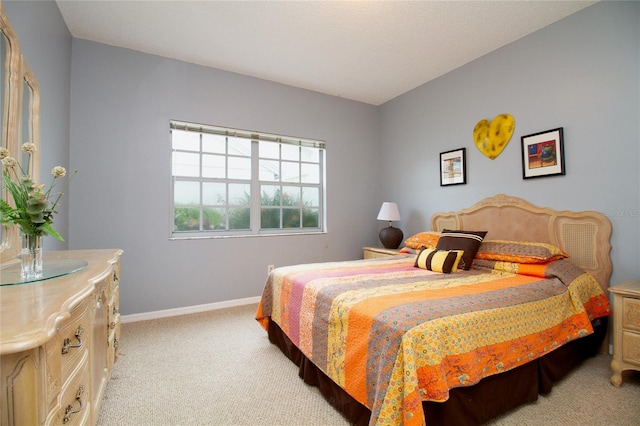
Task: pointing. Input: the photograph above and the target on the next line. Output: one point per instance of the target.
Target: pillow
(422, 239)
(467, 241)
(407, 250)
(445, 261)
(519, 251)
(540, 270)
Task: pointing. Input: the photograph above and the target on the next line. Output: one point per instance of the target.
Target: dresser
(626, 329)
(59, 341)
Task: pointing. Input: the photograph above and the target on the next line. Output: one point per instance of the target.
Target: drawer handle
(69, 410)
(67, 342)
(112, 325)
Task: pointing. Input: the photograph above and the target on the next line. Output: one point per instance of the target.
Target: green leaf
(49, 230)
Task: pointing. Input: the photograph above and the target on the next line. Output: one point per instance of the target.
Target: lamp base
(391, 237)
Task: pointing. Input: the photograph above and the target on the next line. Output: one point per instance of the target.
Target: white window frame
(255, 204)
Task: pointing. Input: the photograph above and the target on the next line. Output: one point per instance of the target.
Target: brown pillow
(467, 241)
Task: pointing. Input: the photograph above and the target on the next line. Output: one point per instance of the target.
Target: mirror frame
(17, 75)
(30, 128)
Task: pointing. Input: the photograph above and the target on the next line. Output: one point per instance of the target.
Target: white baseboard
(188, 310)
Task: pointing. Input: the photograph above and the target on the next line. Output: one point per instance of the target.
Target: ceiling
(368, 51)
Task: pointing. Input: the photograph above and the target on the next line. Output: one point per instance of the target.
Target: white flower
(29, 147)
(9, 162)
(58, 171)
(4, 152)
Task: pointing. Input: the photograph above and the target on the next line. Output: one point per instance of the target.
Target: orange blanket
(393, 335)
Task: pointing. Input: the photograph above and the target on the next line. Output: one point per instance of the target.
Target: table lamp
(390, 237)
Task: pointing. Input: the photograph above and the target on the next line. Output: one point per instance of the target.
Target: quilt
(393, 335)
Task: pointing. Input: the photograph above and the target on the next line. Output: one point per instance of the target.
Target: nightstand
(373, 252)
(626, 329)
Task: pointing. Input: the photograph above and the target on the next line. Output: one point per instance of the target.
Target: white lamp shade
(389, 211)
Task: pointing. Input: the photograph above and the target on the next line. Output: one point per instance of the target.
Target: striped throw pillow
(445, 261)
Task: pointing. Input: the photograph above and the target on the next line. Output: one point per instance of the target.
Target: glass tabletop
(51, 268)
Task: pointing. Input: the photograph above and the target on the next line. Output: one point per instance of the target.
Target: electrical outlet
(269, 269)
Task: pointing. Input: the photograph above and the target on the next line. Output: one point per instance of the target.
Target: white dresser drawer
(76, 396)
(631, 347)
(73, 339)
(631, 314)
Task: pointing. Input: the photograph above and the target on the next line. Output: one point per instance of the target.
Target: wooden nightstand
(626, 329)
(373, 252)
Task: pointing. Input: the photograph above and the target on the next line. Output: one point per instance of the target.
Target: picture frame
(453, 167)
(543, 154)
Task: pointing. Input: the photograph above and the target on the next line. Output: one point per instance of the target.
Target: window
(234, 182)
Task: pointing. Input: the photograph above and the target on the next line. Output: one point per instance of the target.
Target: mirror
(30, 122)
(20, 100)
(4, 59)
(4, 98)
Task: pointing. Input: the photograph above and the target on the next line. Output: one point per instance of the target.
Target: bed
(482, 314)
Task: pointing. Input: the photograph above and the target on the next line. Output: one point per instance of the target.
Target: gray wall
(121, 105)
(46, 45)
(581, 74)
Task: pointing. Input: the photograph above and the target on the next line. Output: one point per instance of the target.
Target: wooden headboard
(585, 236)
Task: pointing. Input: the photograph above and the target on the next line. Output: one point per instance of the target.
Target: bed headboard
(585, 236)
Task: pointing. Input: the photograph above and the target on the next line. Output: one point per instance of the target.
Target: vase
(31, 257)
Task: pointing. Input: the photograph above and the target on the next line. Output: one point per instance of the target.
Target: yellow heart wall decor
(492, 137)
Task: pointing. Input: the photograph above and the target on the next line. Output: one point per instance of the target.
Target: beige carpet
(218, 368)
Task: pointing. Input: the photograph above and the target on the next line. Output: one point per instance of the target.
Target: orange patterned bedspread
(393, 335)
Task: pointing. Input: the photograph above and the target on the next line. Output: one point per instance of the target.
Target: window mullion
(255, 187)
(201, 185)
(300, 190)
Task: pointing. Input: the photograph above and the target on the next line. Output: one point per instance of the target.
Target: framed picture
(543, 154)
(453, 167)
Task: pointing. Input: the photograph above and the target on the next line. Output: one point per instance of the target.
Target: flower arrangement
(32, 211)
